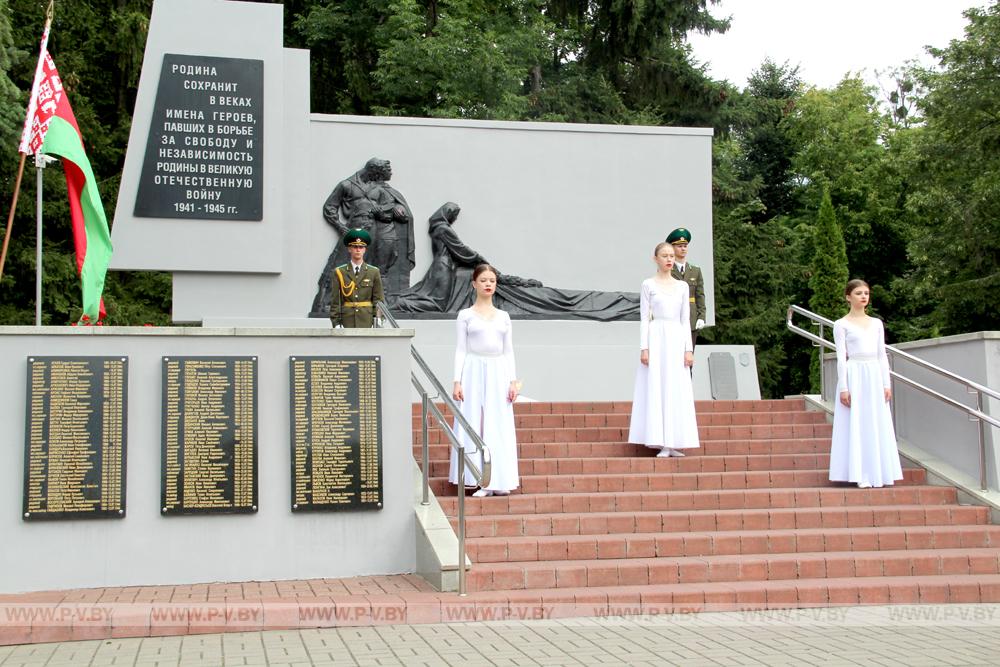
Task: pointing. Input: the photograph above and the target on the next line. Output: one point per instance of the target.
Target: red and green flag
(50, 127)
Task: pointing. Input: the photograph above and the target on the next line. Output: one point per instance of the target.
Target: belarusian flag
(50, 127)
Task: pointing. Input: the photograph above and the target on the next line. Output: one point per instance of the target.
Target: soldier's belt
(357, 304)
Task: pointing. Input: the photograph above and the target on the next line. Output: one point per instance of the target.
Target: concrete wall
(941, 429)
(146, 548)
(578, 361)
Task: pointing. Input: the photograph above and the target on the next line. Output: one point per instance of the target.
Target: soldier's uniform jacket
(696, 288)
(354, 296)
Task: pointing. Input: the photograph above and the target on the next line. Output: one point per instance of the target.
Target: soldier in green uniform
(357, 286)
(691, 274)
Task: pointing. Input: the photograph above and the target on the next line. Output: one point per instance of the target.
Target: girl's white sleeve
(686, 318)
(883, 356)
(508, 348)
(644, 316)
(461, 345)
(840, 340)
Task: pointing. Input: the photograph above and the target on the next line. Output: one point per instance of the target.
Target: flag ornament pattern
(46, 95)
(50, 127)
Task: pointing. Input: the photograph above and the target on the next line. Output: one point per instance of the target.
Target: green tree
(768, 145)
(829, 264)
(829, 269)
(467, 60)
(956, 194)
(848, 145)
(11, 108)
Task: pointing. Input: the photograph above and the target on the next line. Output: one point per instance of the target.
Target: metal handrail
(972, 387)
(429, 409)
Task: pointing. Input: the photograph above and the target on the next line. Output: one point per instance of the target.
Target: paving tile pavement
(953, 635)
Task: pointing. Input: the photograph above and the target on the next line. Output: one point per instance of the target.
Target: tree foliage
(956, 197)
(768, 145)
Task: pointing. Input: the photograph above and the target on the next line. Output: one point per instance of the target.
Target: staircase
(749, 520)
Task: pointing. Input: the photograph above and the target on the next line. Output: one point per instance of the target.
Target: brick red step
(732, 568)
(574, 407)
(618, 434)
(651, 464)
(632, 501)
(598, 419)
(740, 595)
(727, 543)
(736, 447)
(659, 482)
(601, 523)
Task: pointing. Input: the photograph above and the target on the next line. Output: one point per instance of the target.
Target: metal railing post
(892, 401)
(982, 443)
(461, 522)
(425, 455)
(822, 364)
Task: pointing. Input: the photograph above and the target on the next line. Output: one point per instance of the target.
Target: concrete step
(602, 523)
(732, 568)
(725, 499)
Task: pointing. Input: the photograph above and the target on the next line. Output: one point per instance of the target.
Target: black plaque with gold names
(209, 435)
(75, 438)
(336, 439)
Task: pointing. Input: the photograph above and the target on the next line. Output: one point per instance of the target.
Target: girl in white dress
(485, 385)
(663, 403)
(864, 442)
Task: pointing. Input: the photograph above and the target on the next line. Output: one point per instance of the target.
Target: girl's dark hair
(483, 268)
(855, 284)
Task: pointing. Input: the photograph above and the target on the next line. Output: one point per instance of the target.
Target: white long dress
(484, 364)
(663, 401)
(864, 443)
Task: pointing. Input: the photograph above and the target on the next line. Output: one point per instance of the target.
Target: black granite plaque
(204, 153)
(336, 433)
(75, 438)
(209, 435)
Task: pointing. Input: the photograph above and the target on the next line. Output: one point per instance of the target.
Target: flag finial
(50, 11)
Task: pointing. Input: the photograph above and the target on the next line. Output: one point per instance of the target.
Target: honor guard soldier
(691, 274)
(357, 285)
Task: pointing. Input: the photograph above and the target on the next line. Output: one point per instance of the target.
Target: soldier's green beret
(679, 235)
(357, 237)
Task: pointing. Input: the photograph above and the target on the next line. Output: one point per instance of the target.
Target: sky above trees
(827, 39)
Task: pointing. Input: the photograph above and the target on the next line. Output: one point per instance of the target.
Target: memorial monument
(447, 286)
(367, 201)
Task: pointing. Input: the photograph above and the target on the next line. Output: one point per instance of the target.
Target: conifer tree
(829, 270)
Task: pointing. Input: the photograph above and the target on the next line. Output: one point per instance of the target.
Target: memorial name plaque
(209, 439)
(336, 433)
(75, 438)
(204, 153)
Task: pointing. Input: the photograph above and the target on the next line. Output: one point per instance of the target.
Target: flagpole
(10, 216)
(39, 165)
